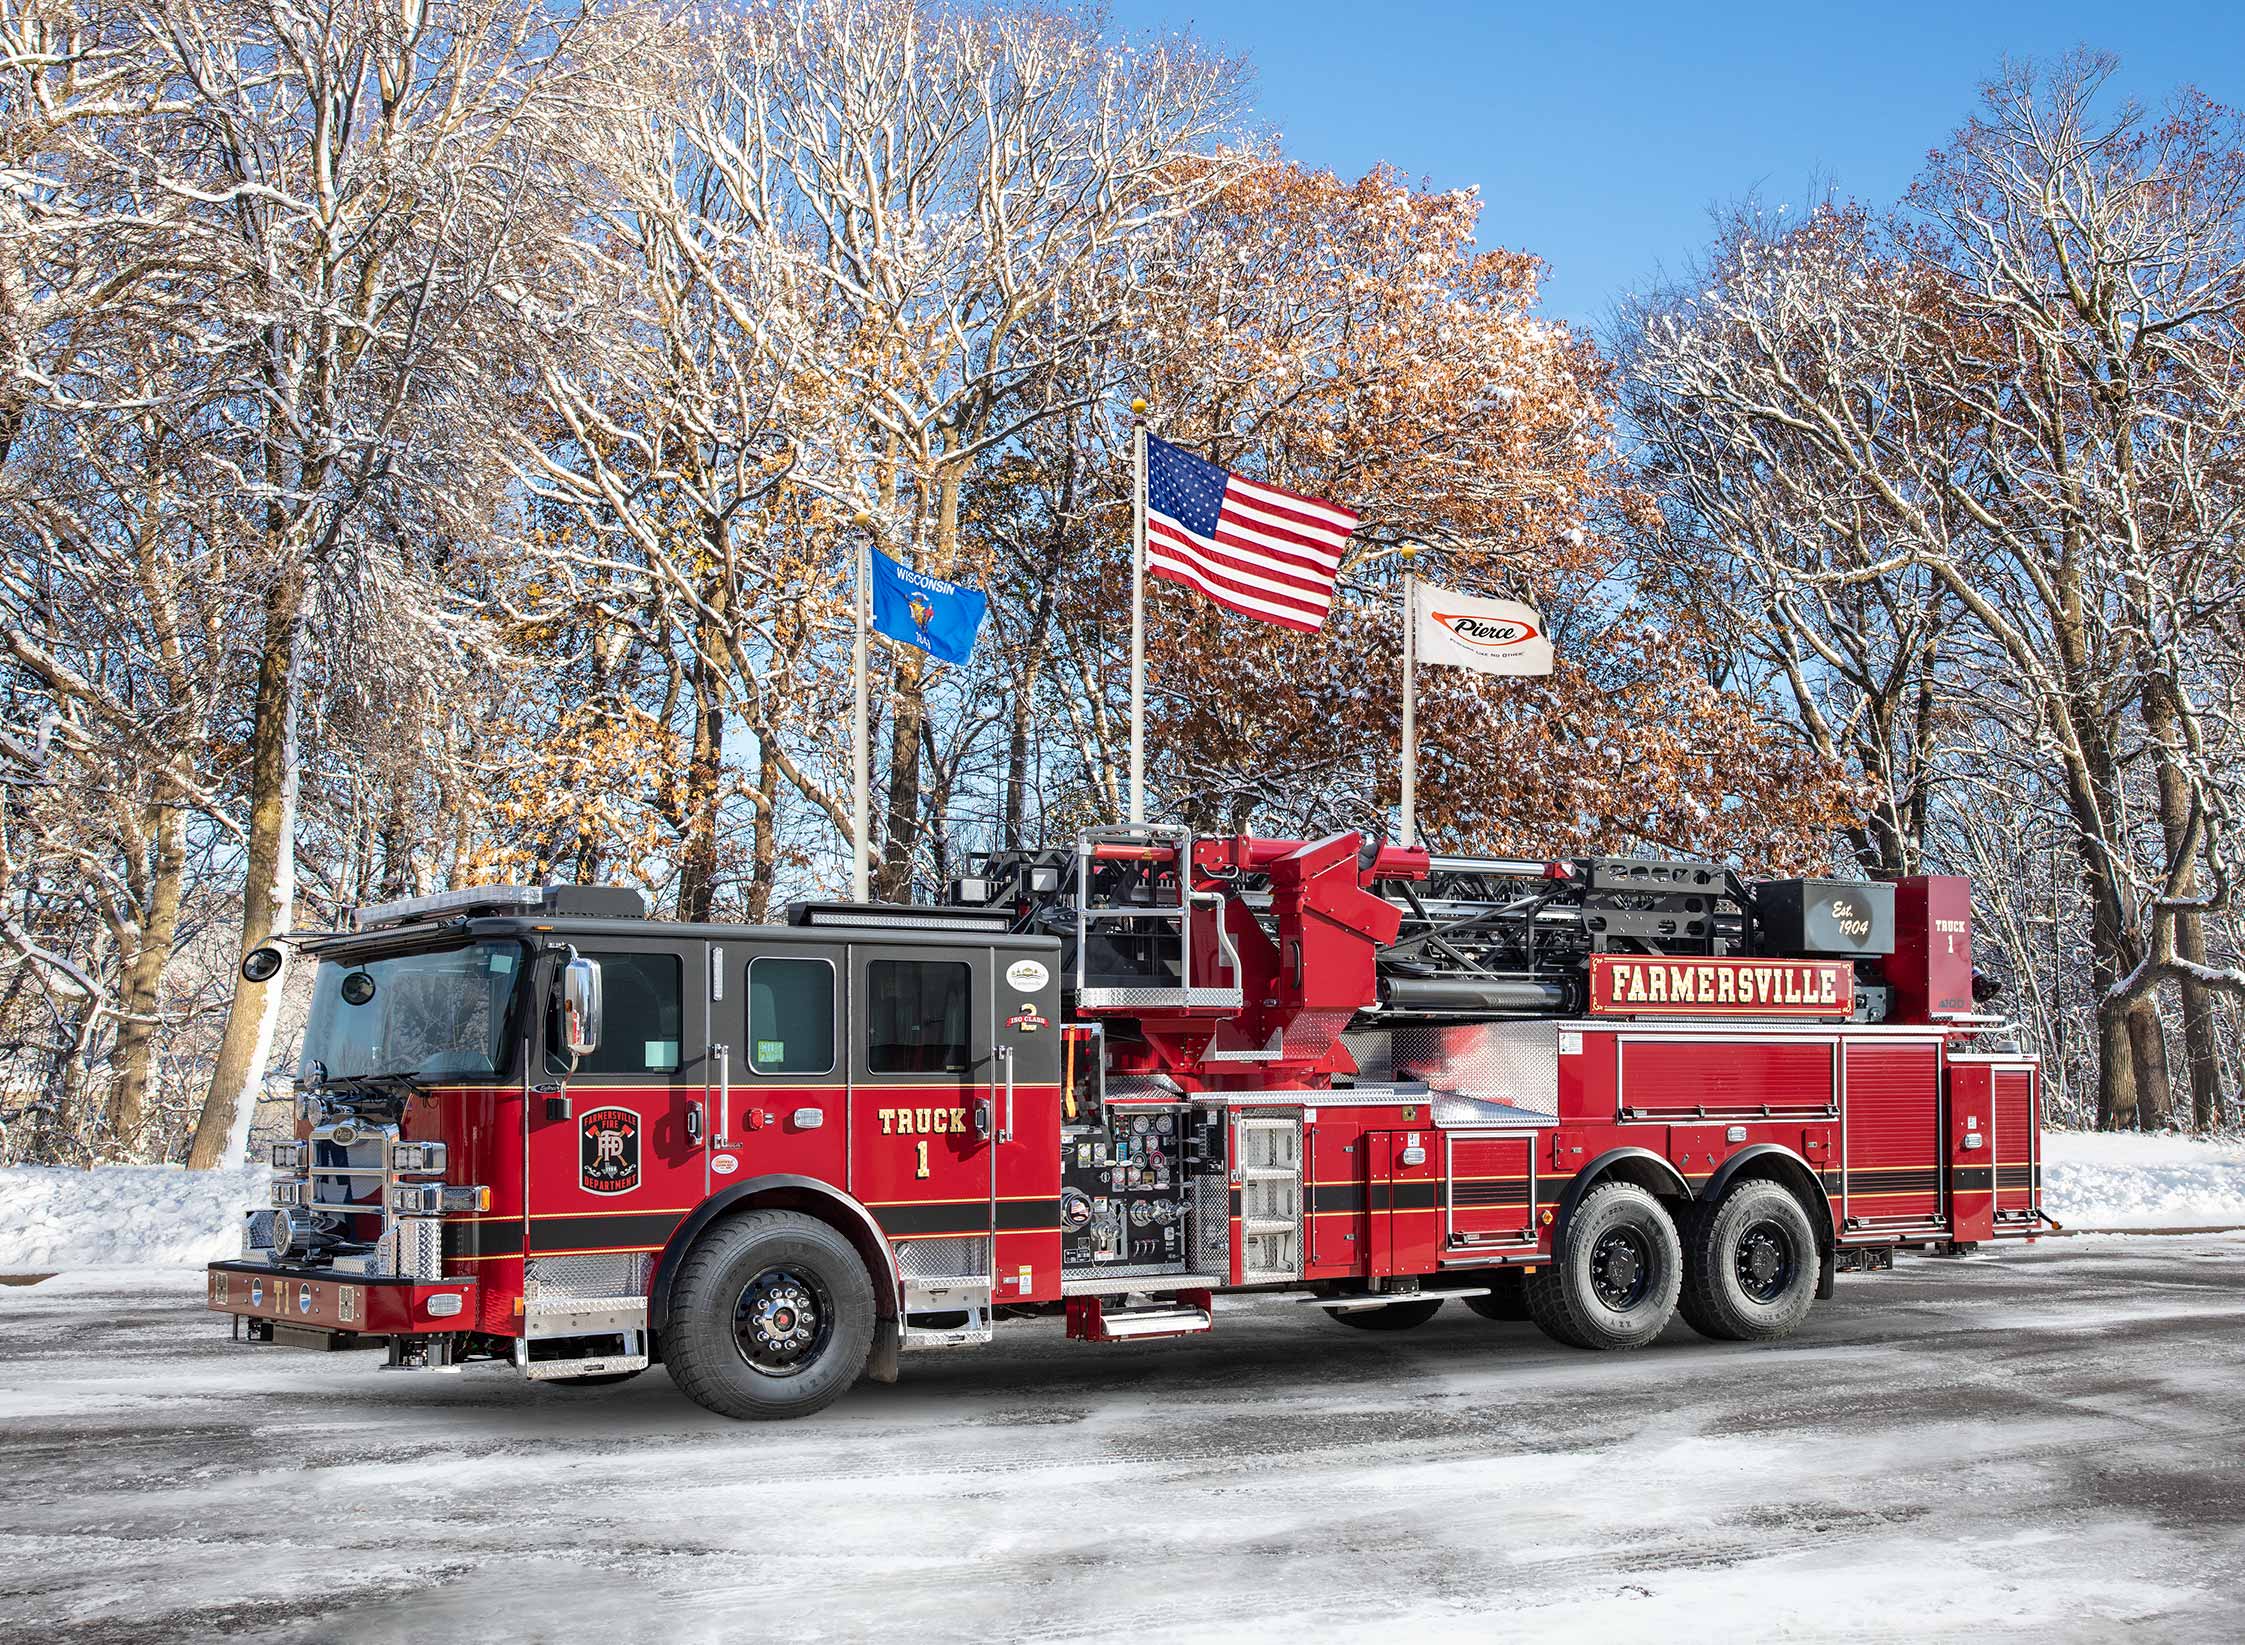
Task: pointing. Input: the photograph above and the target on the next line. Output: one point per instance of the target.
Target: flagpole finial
(861, 519)
(1409, 551)
(1138, 408)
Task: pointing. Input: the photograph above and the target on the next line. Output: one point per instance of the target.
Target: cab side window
(917, 1016)
(790, 1016)
(643, 1013)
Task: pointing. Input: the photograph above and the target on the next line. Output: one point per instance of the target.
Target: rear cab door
(922, 1100)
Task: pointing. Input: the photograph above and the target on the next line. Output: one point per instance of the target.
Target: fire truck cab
(1109, 1081)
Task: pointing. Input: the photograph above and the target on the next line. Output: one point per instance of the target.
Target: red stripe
(1280, 558)
(1218, 596)
(1303, 497)
(1284, 571)
(1284, 522)
(1212, 584)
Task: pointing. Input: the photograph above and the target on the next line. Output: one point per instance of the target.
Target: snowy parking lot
(2042, 1444)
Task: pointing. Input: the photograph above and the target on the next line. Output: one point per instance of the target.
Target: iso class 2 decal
(608, 1151)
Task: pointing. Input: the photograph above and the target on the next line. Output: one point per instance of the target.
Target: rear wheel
(1612, 1283)
(1396, 1316)
(1750, 1272)
(771, 1316)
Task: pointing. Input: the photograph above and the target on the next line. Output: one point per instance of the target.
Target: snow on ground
(122, 1216)
(2036, 1448)
(2130, 1180)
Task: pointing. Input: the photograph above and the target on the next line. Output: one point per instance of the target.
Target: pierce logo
(609, 1151)
(1485, 633)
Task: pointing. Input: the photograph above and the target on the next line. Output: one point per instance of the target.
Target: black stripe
(1894, 1180)
(500, 1238)
(972, 1217)
(1464, 1194)
(636, 1231)
(2014, 1176)
(1328, 1197)
(1027, 1215)
(1973, 1179)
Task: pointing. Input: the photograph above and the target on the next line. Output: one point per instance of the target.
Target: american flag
(1251, 548)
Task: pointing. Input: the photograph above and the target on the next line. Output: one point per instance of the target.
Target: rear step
(1096, 1319)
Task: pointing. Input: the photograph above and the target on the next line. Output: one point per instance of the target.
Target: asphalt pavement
(2043, 1444)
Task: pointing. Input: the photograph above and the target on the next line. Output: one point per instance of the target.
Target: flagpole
(1410, 552)
(1138, 611)
(861, 848)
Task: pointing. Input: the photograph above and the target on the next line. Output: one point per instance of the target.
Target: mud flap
(888, 1339)
(1827, 1268)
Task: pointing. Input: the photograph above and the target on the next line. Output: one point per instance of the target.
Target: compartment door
(2017, 1107)
(1491, 1191)
(1972, 1151)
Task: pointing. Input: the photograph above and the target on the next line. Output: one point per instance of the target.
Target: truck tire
(771, 1316)
(1750, 1265)
(1612, 1284)
(1396, 1316)
(1507, 1301)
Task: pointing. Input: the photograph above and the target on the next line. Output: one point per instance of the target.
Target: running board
(1091, 1319)
(1382, 1299)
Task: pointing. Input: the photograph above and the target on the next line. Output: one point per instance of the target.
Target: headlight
(288, 1156)
(417, 1158)
(288, 1193)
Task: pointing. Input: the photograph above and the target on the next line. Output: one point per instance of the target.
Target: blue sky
(1599, 139)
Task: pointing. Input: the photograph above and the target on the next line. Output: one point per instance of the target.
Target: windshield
(444, 1013)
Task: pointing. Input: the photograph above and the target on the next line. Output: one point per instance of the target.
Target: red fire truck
(1111, 1080)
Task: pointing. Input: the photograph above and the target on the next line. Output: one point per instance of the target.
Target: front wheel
(1750, 1273)
(771, 1316)
(1613, 1281)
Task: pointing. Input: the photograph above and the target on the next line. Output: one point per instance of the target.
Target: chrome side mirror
(580, 1006)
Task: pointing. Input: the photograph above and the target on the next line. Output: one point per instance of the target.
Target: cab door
(923, 1103)
(615, 1142)
(779, 1093)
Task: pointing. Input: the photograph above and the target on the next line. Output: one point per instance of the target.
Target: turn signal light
(288, 1156)
(443, 1306)
(430, 1199)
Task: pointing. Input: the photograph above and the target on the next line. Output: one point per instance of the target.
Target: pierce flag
(1493, 636)
(939, 617)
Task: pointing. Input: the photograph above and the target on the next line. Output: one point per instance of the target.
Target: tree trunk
(892, 877)
(269, 889)
(764, 841)
(2147, 1044)
(892, 880)
(705, 769)
(2202, 1045)
(2201, 1042)
(2116, 1079)
(134, 1056)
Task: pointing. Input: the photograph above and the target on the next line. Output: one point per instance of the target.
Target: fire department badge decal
(609, 1151)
